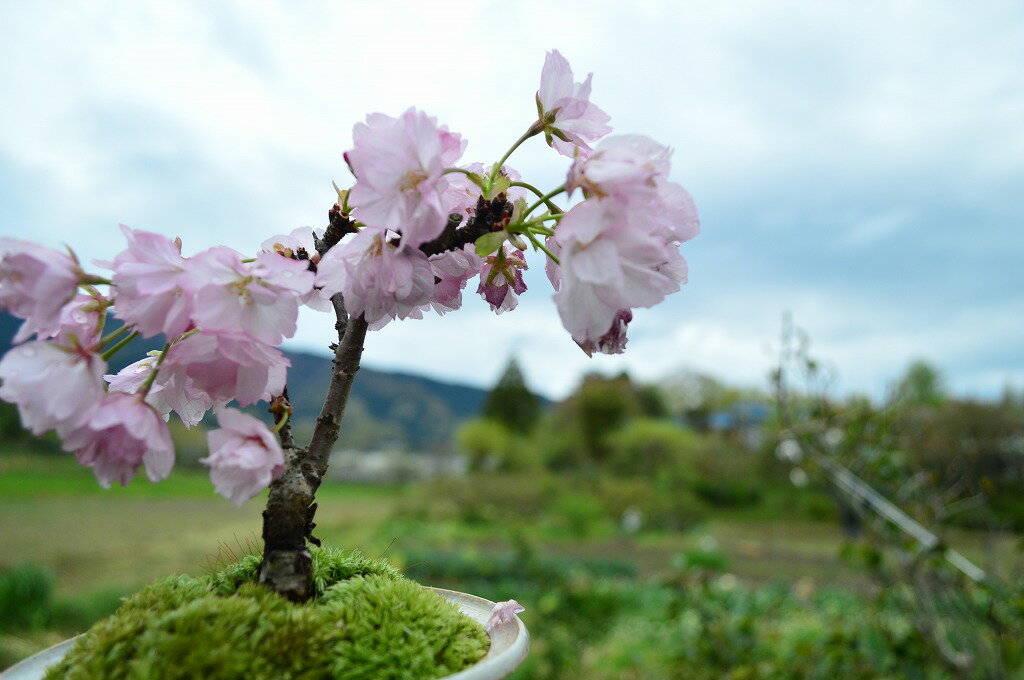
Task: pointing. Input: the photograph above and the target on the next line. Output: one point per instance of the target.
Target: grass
(96, 541)
(53, 513)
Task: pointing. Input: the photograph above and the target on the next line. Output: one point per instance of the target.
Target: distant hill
(385, 409)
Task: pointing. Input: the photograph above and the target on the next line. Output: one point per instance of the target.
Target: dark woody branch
(288, 518)
(492, 215)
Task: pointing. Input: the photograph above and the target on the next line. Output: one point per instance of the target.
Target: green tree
(511, 402)
(920, 385)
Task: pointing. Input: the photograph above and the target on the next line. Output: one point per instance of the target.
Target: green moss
(368, 622)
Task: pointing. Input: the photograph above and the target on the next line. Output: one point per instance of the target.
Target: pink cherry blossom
(379, 280)
(501, 280)
(452, 270)
(626, 167)
(259, 299)
(552, 268)
(612, 342)
(35, 284)
(131, 378)
(153, 285)
(283, 272)
(503, 612)
(245, 456)
(122, 433)
(566, 109)
(609, 262)
(398, 164)
(673, 212)
(217, 369)
(53, 386)
(79, 321)
(299, 245)
(170, 391)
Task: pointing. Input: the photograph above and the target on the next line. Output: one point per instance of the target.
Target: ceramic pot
(510, 642)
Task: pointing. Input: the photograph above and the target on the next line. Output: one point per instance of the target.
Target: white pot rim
(510, 643)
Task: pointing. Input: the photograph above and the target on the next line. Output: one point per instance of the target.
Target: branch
(287, 565)
(492, 215)
(351, 334)
(288, 520)
(338, 226)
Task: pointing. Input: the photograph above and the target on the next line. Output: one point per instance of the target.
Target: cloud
(858, 165)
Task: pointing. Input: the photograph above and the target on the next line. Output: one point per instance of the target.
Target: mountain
(386, 409)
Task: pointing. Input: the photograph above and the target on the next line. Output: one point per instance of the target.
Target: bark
(288, 518)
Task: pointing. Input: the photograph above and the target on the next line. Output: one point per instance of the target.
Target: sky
(858, 165)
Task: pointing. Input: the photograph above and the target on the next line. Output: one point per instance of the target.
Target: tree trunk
(288, 519)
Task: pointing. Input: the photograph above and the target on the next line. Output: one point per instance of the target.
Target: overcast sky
(859, 164)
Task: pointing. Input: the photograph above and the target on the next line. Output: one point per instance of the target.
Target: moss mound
(368, 622)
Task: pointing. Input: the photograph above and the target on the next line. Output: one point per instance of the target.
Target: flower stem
(124, 341)
(281, 423)
(533, 130)
(144, 390)
(113, 334)
(551, 206)
(89, 279)
(537, 244)
(542, 200)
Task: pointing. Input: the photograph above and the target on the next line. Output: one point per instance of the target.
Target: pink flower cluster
(221, 315)
(619, 248)
(409, 235)
(616, 251)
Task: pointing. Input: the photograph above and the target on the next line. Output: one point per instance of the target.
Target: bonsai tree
(403, 241)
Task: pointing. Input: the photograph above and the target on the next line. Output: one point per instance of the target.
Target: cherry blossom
(170, 391)
(245, 456)
(571, 122)
(121, 434)
(154, 287)
(612, 342)
(392, 251)
(379, 280)
(53, 386)
(299, 245)
(452, 270)
(81, 319)
(501, 280)
(673, 212)
(259, 300)
(503, 612)
(610, 262)
(35, 284)
(399, 164)
(623, 166)
(219, 368)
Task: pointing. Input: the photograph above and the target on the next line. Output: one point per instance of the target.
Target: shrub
(726, 475)
(581, 514)
(672, 508)
(483, 497)
(26, 597)
(648, 448)
(491, 445)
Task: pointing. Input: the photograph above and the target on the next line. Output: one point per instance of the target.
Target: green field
(54, 514)
(100, 544)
